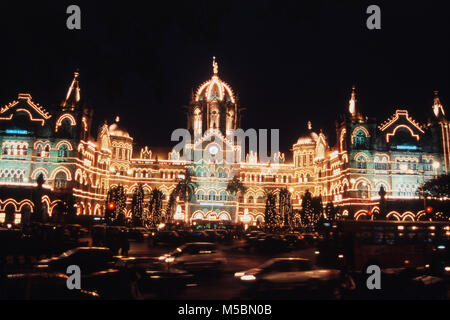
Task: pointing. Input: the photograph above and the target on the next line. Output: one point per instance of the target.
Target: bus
(354, 245)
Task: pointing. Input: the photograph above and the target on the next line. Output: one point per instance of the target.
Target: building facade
(396, 155)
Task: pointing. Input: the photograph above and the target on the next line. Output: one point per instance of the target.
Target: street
(221, 286)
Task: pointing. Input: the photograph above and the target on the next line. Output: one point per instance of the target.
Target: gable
(24, 105)
(401, 120)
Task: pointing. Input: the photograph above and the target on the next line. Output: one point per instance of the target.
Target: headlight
(239, 274)
(248, 278)
(42, 266)
(447, 269)
(162, 258)
(169, 259)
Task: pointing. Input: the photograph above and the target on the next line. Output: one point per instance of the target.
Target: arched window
(363, 190)
(63, 151)
(361, 162)
(60, 180)
(360, 140)
(46, 151)
(197, 121)
(212, 195)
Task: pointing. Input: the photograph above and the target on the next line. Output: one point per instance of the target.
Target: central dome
(215, 89)
(117, 130)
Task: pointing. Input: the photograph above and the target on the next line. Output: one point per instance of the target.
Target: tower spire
(352, 102)
(73, 96)
(215, 66)
(437, 106)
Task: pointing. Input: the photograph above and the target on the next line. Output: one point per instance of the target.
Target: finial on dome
(117, 118)
(309, 125)
(215, 66)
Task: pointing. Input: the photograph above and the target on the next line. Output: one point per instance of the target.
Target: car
(288, 275)
(139, 234)
(214, 236)
(42, 286)
(196, 256)
(170, 238)
(89, 259)
(295, 241)
(157, 277)
(197, 236)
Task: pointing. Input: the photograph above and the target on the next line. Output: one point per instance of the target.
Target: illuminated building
(398, 155)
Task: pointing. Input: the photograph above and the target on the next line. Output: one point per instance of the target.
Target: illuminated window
(63, 151)
(360, 140)
(60, 180)
(361, 162)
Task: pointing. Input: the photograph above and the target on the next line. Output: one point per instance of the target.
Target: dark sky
(290, 61)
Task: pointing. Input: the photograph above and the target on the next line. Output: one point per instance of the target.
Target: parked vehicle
(41, 286)
(170, 238)
(89, 259)
(196, 256)
(139, 234)
(295, 241)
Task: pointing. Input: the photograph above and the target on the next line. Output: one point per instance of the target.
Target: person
(125, 244)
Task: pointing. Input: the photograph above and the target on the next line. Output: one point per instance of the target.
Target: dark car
(139, 234)
(89, 259)
(114, 284)
(170, 238)
(42, 286)
(156, 277)
(214, 236)
(295, 241)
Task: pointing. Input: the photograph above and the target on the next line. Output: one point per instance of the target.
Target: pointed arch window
(360, 140)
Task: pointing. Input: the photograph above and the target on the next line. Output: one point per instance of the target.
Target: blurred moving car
(291, 275)
(156, 277)
(195, 256)
(89, 259)
(41, 286)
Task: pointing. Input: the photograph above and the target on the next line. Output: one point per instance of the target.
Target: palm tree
(235, 187)
(185, 189)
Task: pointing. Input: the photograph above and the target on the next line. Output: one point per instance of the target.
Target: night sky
(289, 61)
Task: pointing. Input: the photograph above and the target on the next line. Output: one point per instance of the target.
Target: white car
(195, 256)
(288, 274)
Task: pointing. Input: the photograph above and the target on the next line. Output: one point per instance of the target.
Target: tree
(171, 204)
(137, 205)
(270, 213)
(186, 187)
(285, 207)
(330, 212)
(155, 208)
(235, 186)
(118, 197)
(37, 199)
(436, 188)
(312, 210)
